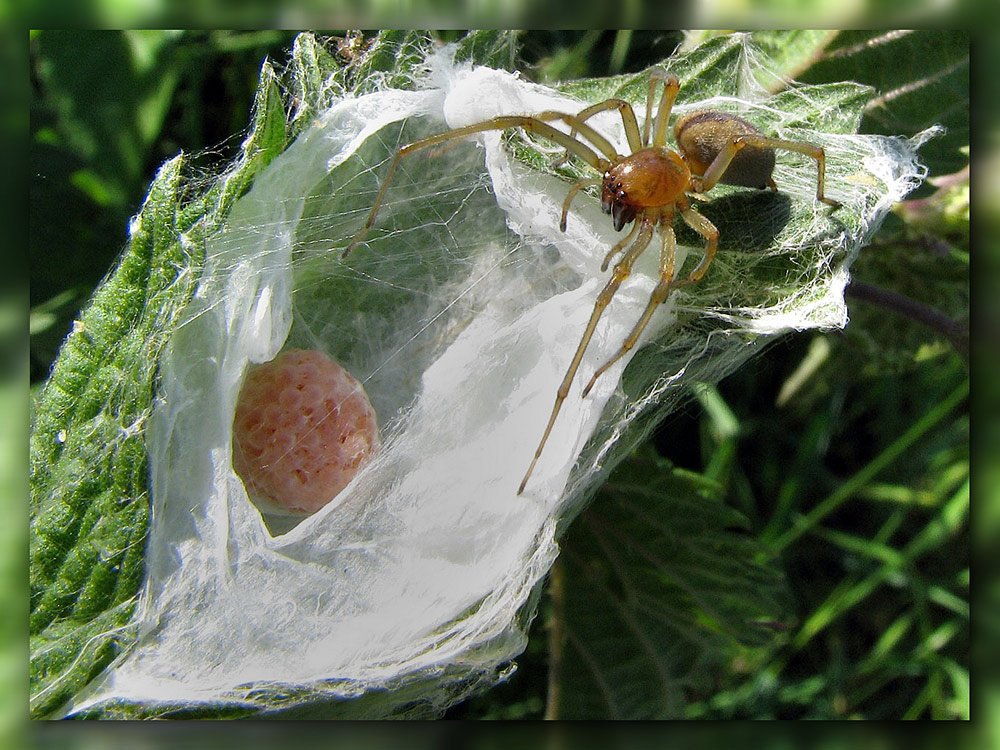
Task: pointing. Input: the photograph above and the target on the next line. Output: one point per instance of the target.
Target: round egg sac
(303, 429)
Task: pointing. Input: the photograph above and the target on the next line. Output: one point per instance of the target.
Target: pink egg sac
(303, 429)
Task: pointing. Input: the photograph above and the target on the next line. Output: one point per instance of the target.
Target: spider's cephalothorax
(647, 186)
(651, 177)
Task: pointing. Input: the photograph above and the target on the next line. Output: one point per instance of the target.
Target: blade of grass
(855, 483)
(852, 592)
(725, 428)
(623, 38)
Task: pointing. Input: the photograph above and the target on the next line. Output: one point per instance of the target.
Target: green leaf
(268, 129)
(496, 49)
(89, 500)
(659, 584)
(315, 77)
(89, 474)
(791, 53)
(921, 78)
(89, 481)
(88, 463)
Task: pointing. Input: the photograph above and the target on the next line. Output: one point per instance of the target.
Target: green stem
(556, 640)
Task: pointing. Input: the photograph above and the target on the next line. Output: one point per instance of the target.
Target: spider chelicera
(647, 186)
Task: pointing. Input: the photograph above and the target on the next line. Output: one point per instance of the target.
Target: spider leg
(599, 142)
(621, 272)
(628, 120)
(619, 245)
(660, 292)
(720, 164)
(707, 230)
(813, 152)
(577, 186)
(531, 124)
(725, 157)
(670, 88)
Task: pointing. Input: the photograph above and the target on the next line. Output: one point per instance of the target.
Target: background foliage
(842, 457)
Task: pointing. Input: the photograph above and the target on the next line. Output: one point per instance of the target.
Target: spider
(646, 187)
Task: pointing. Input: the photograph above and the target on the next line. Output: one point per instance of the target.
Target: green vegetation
(794, 544)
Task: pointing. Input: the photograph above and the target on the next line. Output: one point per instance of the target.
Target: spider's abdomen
(649, 178)
(702, 135)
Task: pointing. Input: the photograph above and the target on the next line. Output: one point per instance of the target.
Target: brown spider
(647, 187)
